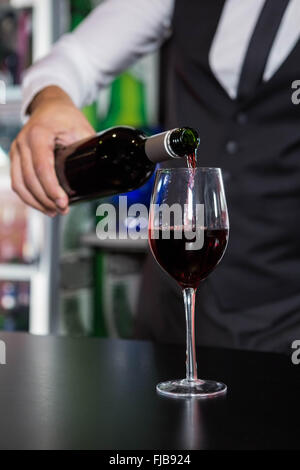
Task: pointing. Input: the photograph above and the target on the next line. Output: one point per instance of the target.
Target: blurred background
(56, 277)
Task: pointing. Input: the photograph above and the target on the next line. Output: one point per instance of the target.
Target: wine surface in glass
(188, 267)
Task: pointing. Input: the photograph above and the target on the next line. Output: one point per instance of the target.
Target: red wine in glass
(188, 267)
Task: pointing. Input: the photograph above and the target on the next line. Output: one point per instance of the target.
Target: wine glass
(188, 233)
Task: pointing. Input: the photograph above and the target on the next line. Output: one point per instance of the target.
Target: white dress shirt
(117, 33)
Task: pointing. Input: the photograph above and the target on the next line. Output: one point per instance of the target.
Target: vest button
(242, 118)
(232, 147)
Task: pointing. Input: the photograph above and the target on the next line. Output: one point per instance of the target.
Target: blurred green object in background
(79, 10)
(127, 103)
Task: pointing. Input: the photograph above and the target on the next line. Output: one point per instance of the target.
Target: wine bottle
(118, 160)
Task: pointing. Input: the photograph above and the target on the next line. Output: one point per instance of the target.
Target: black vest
(254, 294)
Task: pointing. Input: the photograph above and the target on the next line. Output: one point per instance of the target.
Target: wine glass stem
(189, 295)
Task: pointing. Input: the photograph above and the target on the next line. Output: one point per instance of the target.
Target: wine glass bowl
(188, 234)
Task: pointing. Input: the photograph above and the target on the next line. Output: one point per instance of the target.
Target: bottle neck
(176, 143)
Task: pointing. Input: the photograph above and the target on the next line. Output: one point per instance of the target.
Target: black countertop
(89, 393)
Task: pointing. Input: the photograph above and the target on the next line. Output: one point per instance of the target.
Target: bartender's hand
(54, 119)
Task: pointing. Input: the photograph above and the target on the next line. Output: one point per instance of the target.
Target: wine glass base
(195, 388)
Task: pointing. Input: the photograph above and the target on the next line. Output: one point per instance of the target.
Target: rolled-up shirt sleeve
(109, 40)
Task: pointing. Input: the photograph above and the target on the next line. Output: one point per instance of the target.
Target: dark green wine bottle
(118, 160)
